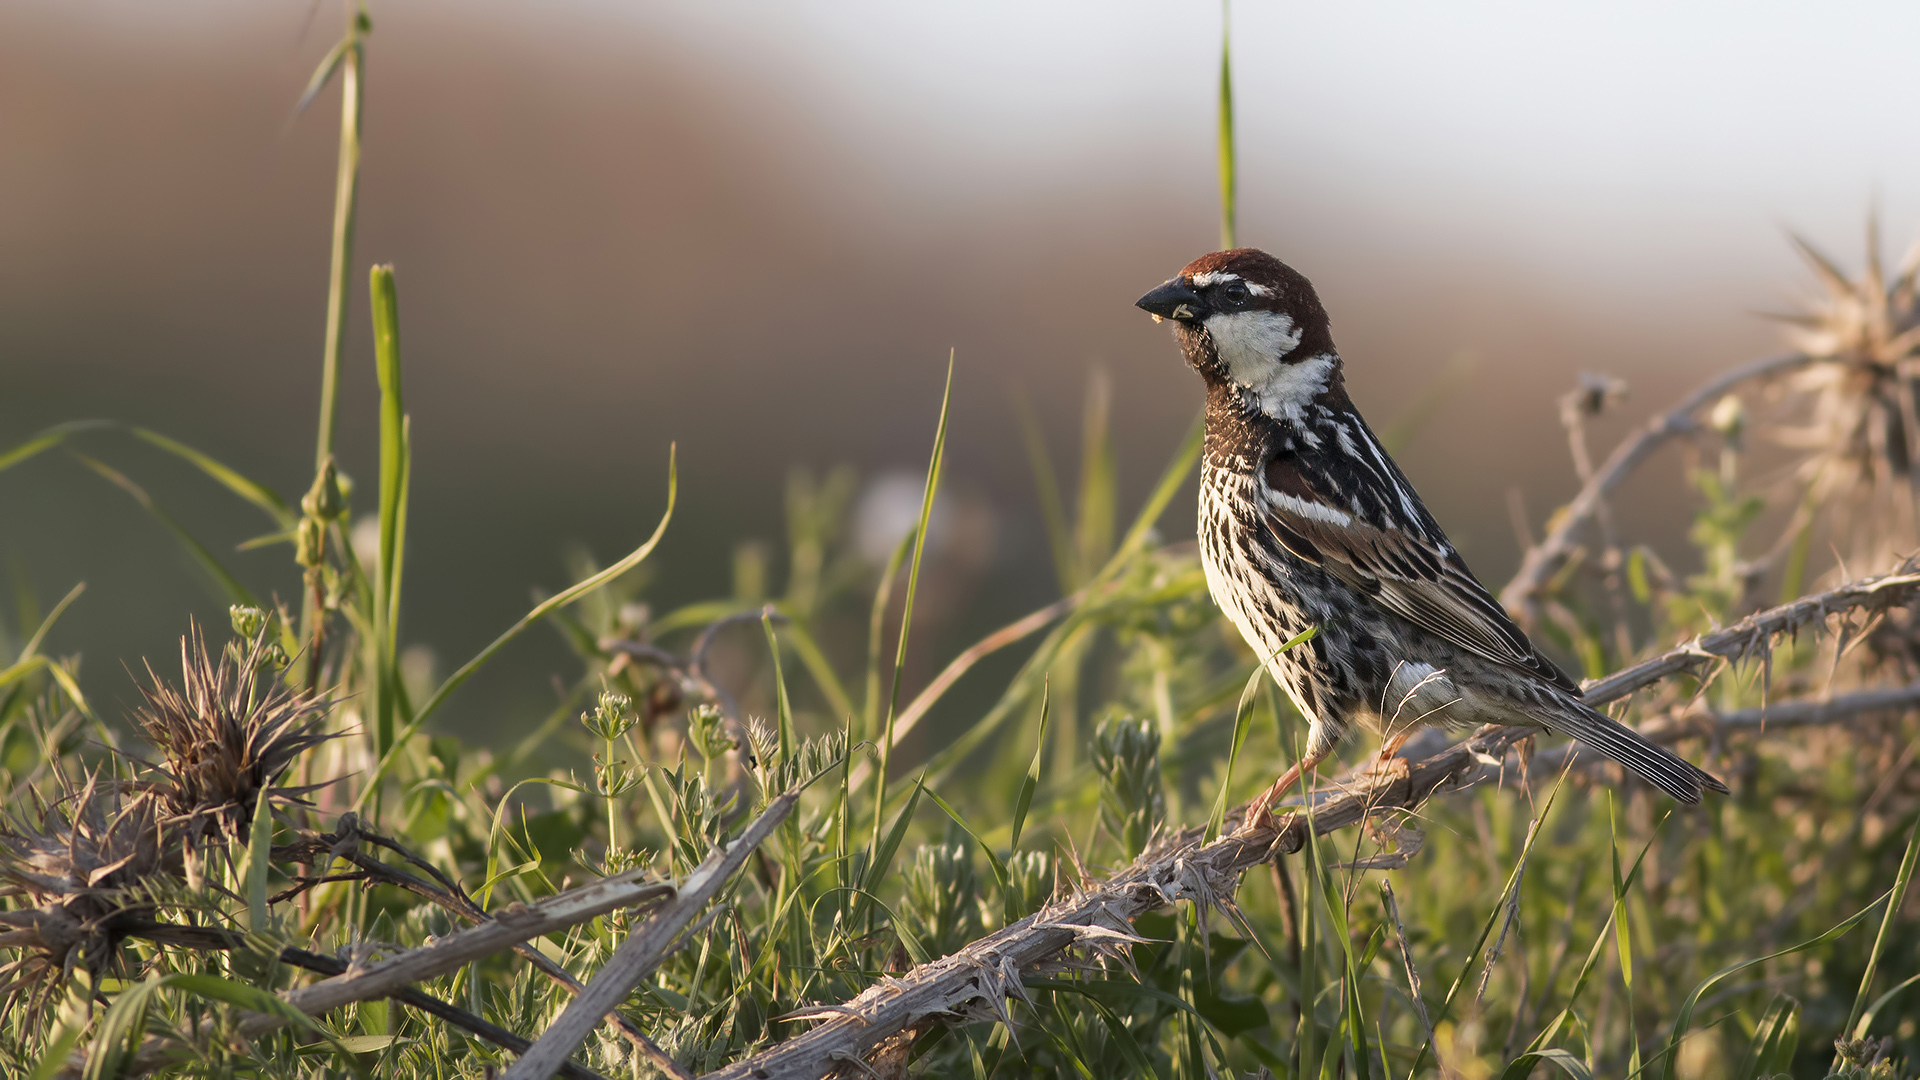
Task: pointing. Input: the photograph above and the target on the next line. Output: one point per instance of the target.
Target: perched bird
(1306, 522)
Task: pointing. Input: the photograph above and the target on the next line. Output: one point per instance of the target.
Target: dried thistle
(227, 733)
(1860, 431)
(84, 865)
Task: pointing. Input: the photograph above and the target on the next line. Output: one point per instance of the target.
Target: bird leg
(1389, 748)
(1262, 805)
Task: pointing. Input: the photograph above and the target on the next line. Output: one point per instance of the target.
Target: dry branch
(1179, 866)
(1753, 633)
(1544, 559)
(646, 946)
(508, 928)
(350, 839)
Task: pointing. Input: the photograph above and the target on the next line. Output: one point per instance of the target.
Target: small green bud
(611, 717)
(324, 499)
(1126, 754)
(247, 621)
(614, 777)
(310, 542)
(707, 731)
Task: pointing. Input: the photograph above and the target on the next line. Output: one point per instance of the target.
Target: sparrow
(1307, 523)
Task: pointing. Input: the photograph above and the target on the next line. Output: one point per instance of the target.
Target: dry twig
(646, 946)
(1544, 559)
(979, 978)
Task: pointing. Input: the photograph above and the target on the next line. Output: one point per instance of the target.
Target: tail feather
(1656, 764)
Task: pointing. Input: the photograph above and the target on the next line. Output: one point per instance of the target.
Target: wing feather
(1408, 567)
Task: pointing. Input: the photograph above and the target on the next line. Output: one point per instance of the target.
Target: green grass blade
(259, 860)
(784, 708)
(260, 495)
(393, 466)
(877, 631)
(1763, 1057)
(1622, 935)
(1552, 1030)
(931, 489)
(1229, 172)
(540, 611)
(1900, 883)
(1185, 456)
(1522, 1067)
(229, 588)
(1033, 672)
(1684, 1020)
(349, 60)
(1097, 507)
(46, 440)
(1046, 482)
(1493, 918)
(1029, 783)
(999, 865)
(32, 647)
(1242, 723)
(882, 861)
(1873, 1010)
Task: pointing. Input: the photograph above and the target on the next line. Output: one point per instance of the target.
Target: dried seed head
(226, 734)
(1857, 403)
(86, 865)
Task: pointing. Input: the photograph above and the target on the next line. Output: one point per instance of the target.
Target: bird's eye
(1234, 292)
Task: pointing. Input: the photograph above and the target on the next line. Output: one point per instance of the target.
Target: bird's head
(1246, 318)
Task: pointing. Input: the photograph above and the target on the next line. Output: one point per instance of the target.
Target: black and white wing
(1345, 506)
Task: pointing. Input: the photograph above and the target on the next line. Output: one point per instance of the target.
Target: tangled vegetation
(281, 865)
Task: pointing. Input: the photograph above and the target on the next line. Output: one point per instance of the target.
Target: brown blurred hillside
(608, 239)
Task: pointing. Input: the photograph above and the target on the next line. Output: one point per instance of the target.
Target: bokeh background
(757, 230)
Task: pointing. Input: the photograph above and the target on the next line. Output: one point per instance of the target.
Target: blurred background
(757, 230)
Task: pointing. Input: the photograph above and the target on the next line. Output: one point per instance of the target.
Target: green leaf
(1901, 880)
(46, 440)
(540, 611)
(1522, 1067)
(1599, 946)
(252, 491)
(1024, 801)
(1242, 723)
(882, 861)
(1684, 1020)
(231, 591)
(931, 488)
(1774, 1039)
(1229, 172)
(999, 866)
(259, 858)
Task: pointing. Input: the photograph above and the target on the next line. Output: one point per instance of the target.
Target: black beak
(1174, 300)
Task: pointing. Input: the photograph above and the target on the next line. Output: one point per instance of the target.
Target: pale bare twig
(1413, 973)
(646, 946)
(978, 651)
(1542, 561)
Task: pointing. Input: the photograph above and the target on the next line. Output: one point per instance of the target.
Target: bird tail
(1659, 766)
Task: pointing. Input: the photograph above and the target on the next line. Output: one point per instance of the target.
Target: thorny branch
(978, 979)
(647, 945)
(1544, 559)
(345, 842)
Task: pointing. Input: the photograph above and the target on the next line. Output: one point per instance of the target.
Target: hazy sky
(1626, 128)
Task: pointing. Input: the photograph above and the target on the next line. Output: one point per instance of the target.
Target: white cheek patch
(1251, 343)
